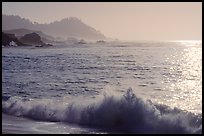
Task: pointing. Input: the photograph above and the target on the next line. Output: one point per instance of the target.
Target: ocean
(138, 87)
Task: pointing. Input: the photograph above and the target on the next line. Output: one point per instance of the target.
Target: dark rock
(8, 38)
(82, 42)
(49, 44)
(32, 38)
(100, 41)
(22, 31)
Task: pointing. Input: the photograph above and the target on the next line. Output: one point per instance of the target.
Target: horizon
(183, 23)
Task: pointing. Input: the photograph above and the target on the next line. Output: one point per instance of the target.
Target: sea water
(141, 87)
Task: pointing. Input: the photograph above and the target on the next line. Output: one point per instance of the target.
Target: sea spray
(128, 113)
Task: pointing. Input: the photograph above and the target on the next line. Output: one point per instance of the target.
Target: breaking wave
(127, 114)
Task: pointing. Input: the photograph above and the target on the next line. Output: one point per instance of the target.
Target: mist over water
(89, 85)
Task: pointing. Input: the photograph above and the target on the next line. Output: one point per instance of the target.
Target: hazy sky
(122, 20)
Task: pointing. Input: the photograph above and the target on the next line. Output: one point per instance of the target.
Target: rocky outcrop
(22, 31)
(100, 41)
(33, 39)
(82, 41)
(11, 40)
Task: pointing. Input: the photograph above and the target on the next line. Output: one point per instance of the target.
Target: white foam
(127, 113)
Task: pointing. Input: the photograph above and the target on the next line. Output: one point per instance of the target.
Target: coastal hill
(68, 27)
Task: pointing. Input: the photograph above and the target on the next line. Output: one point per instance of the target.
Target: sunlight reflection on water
(187, 87)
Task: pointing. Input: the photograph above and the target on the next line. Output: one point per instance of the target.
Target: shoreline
(21, 125)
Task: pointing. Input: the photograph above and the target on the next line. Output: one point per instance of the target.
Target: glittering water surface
(164, 72)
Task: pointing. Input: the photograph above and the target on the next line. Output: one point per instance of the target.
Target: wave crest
(128, 113)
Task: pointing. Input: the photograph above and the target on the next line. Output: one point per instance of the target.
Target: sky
(122, 20)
